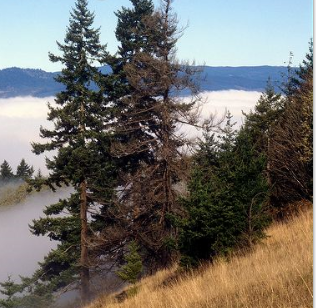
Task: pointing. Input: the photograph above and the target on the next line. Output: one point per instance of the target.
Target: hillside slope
(13, 193)
(278, 273)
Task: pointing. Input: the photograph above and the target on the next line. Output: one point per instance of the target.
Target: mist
(235, 101)
(21, 118)
(20, 250)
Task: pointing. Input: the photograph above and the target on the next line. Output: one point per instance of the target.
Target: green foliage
(120, 130)
(239, 176)
(252, 189)
(260, 122)
(131, 271)
(226, 203)
(10, 290)
(24, 171)
(82, 159)
(131, 108)
(26, 294)
(291, 144)
(130, 28)
(6, 173)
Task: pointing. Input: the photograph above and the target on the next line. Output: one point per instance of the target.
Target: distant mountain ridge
(247, 78)
(16, 81)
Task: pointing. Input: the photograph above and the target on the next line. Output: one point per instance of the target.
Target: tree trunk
(84, 271)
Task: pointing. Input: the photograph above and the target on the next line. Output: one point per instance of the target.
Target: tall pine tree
(82, 157)
(129, 146)
(133, 37)
(147, 130)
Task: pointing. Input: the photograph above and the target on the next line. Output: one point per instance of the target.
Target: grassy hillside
(278, 273)
(13, 193)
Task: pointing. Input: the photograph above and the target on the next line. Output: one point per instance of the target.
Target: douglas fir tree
(82, 157)
(149, 115)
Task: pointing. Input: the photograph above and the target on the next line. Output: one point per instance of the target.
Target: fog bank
(20, 250)
(21, 118)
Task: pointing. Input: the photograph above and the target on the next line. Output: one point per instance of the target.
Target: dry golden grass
(13, 193)
(278, 273)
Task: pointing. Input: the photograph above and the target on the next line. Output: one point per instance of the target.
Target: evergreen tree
(23, 170)
(82, 157)
(251, 188)
(291, 146)
(146, 130)
(259, 122)
(130, 272)
(132, 34)
(9, 289)
(6, 173)
(226, 202)
(227, 136)
(115, 219)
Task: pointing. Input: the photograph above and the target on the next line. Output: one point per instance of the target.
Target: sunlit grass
(277, 273)
(13, 193)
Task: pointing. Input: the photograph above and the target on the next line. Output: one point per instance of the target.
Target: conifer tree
(291, 146)
(226, 204)
(130, 272)
(133, 37)
(39, 174)
(260, 121)
(9, 289)
(23, 170)
(117, 232)
(6, 173)
(146, 129)
(82, 147)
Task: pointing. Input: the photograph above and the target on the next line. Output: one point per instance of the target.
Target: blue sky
(219, 32)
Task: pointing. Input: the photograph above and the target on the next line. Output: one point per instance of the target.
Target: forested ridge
(19, 82)
(145, 195)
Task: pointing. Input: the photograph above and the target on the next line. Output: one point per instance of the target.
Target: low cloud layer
(233, 100)
(20, 250)
(24, 107)
(217, 103)
(21, 118)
